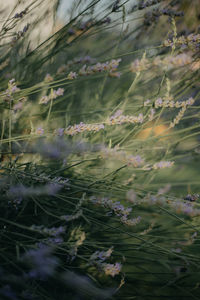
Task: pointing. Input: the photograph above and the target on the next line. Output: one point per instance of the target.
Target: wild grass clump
(100, 151)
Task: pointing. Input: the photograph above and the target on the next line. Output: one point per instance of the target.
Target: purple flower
(25, 28)
(60, 131)
(71, 31)
(42, 262)
(60, 92)
(52, 188)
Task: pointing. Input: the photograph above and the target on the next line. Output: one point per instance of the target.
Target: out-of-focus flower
(39, 131)
(53, 95)
(18, 106)
(101, 256)
(59, 131)
(48, 78)
(59, 92)
(151, 114)
(131, 196)
(72, 75)
(140, 65)
(112, 269)
(132, 221)
(84, 287)
(22, 191)
(12, 89)
(42, 263)
(163, 164)
(131, 160)
(164, 190)
(69, 218)
(54, 231)
(115, 74)
(147, 102)
(44, 100)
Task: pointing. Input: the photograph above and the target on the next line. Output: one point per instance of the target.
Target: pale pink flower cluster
(139, 65)
(147, 102)
(48, 78)
(162, 165)
(98, 259)
(77, 60)
(112, 269)
(180, 207)
(78, 128)
(179, 116)
(176, 104)
(169, 103)
(191, 41)
(39, 131)
(118, 209)
(53, 95)
(186, 208)
(151, 114)
(113, 120)
(118, 119)
(19, 105)
(109, 66)
(179, 60)
(146, 231)
(72, 75)
(115, 74)
(12, 89)
(101, 256)
(131, 222)
(131, 160)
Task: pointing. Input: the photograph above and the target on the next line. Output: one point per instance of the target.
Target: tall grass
(100, 153)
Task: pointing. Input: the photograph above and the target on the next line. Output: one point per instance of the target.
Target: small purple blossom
(116, 207)
(59, 131)
(52, 188)
(22, 191)
(101, 256)
(72, 75)
(112, 269)
(71, 31)
(60, 92)
(39, 131)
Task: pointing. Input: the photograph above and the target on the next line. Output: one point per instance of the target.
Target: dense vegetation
(100, 144)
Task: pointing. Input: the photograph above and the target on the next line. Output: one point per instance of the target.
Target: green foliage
(100, 152)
